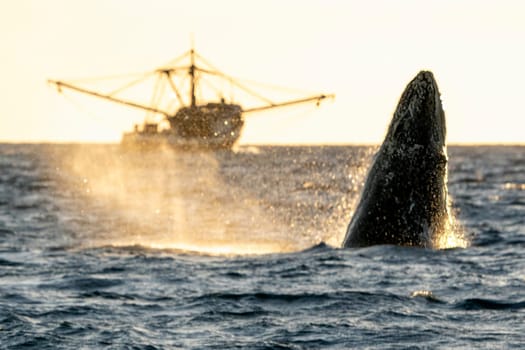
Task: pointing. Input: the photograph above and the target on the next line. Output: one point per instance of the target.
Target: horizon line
(263, 144)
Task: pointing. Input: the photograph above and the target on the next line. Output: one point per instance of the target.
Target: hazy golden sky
(363, 51)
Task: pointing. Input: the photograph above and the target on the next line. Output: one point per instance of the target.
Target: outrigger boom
(317, 98)
(60, 84)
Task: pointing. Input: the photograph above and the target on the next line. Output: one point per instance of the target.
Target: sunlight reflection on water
(224, 203)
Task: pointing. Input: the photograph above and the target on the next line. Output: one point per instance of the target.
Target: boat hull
(210, 126)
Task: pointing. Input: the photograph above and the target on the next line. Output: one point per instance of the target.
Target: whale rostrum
(404, 198)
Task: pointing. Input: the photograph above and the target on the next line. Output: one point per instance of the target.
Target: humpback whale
(404, 198)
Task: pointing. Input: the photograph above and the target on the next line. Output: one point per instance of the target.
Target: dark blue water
(100, 248)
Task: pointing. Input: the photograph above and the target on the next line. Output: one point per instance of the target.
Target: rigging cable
(154, 97)
(130, 84)
(81, 108)
(108, 77)
(213, 87)
(177, 59)
(233, 81)
(174, 88)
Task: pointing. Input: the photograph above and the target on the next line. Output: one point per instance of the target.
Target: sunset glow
(363, 52)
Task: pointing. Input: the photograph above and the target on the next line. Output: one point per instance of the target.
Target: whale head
(419, 118)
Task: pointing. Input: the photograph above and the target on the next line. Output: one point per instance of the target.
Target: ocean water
(103, 248)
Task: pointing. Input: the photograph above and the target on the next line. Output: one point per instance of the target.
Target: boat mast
(192, 75)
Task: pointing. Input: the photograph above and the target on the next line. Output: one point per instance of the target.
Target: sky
(365, 52)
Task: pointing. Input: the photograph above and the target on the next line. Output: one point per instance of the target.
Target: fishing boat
(191, 123)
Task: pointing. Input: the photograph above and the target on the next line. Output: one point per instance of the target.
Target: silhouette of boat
(193, 124)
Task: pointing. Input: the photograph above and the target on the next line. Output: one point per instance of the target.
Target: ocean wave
(82, 283)
(488, 304)
(300, 298)
(5, 262)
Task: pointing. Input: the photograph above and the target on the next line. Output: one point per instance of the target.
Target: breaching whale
(404, 198)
